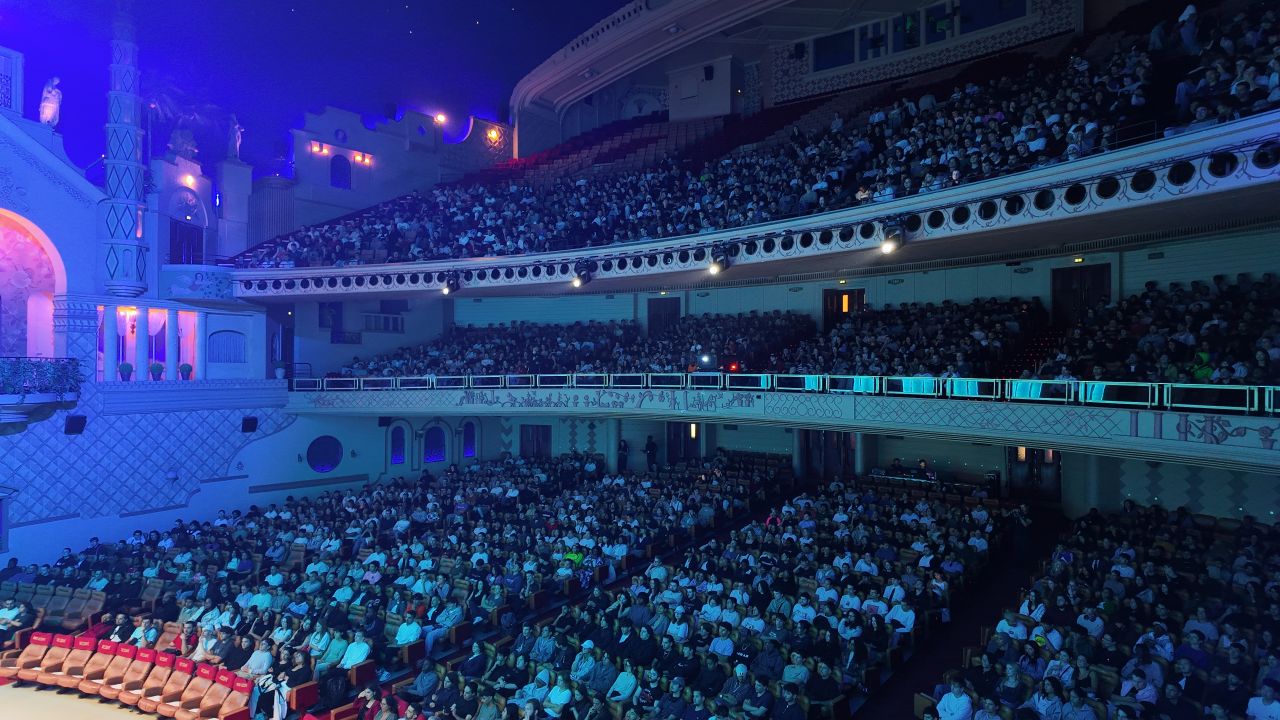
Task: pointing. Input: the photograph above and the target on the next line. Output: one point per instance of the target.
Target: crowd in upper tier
(1216, 332)
(691, 343)
(1141, 614)
(1048, 113)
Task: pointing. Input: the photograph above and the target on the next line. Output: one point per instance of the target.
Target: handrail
(1167, 396)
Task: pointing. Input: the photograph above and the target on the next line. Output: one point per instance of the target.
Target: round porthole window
(324, 453)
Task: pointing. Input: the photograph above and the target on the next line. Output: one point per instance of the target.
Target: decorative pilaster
(110, 344)
(170, 344)
(124, 248)
(202, 345)
(142, 344)
(75, 332)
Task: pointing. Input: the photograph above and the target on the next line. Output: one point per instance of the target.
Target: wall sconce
(299, 457)
(354, 454)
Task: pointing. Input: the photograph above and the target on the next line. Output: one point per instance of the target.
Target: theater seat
(183, 670)
(194, 693)
(113, 673)
(132, 678)
(81, 651)
(52, 659)
(207, 705)
(153, 684)
(228, 697)
(92, 668)
(28, 658)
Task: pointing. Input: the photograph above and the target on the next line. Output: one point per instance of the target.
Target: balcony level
(32, 388)
(1226, 426)
(1228, 172)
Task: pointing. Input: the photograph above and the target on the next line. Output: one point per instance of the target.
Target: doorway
(664, 313)
(838, 305)
(683, 442)
(1077, 289)
(535, 441)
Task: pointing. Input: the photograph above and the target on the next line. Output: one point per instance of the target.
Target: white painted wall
(751, 438)
(563, 309)
(693, 96)
(424, 321)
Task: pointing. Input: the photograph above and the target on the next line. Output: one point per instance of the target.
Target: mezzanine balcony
(1231, 426)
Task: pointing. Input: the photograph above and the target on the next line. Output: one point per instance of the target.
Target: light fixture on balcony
(581, 273)
(451, 284)
(719, 260)
(893, 237)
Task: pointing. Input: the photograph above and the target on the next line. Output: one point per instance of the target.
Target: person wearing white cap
(735, 688)
(583, 662)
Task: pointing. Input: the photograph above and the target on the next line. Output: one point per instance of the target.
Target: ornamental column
(124, 248)
(171, 344)
(110, 344)
(201, 345)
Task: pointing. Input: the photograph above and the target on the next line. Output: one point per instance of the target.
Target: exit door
(1076, 289)
(838, 305)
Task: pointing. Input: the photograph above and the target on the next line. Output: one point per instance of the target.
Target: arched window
(468, 439)
(340, 172)
(397, 445)
(226, 346)
(433, 445)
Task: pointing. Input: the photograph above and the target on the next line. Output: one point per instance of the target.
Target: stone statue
(51, 103)
(234, 135)
(182, 143)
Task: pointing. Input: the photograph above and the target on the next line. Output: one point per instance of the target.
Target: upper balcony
(1225, 172)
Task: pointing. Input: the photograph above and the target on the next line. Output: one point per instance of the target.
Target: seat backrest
(160, 672)
(120, 664)
(218, 692)
(58, 653)
(143, 663)
(200, 683)
(183, 668)
(80, 653)
(36, 649)
(238, 697)
(101, 659)
(41, 597)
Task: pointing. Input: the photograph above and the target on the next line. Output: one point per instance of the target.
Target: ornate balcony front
(32, 387)
(1224, 425)
(1226, 171)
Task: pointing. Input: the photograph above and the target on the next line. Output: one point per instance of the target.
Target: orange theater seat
(153, 684)
(113, 673)
(81, 651)
(93, 667)
(52, 659)
(190, 699)
(214, 698)
(133, 677)
(183, 670)
(30, 656)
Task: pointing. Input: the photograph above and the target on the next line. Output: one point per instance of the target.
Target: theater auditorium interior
(640, 359)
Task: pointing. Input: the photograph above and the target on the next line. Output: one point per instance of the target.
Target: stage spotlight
(450, 284)
(719, 260)
(581, 273)
(893, 237)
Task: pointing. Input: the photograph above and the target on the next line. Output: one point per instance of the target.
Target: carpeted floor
(27, 702)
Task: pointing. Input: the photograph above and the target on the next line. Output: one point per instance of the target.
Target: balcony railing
(1163, 396)
(39, 376)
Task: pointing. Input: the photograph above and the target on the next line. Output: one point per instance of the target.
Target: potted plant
(185, 371)
(280, 369)
(126, 371)
(157, 370)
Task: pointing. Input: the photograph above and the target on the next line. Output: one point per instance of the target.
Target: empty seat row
(63, 607)
(154, 682)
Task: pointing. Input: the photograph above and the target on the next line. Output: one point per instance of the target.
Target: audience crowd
(1049, 113)
(1141, 614)
(1216, 332)
(331, 582)
(690, 343)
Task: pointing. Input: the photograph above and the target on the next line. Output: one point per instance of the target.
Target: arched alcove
(31, 274)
